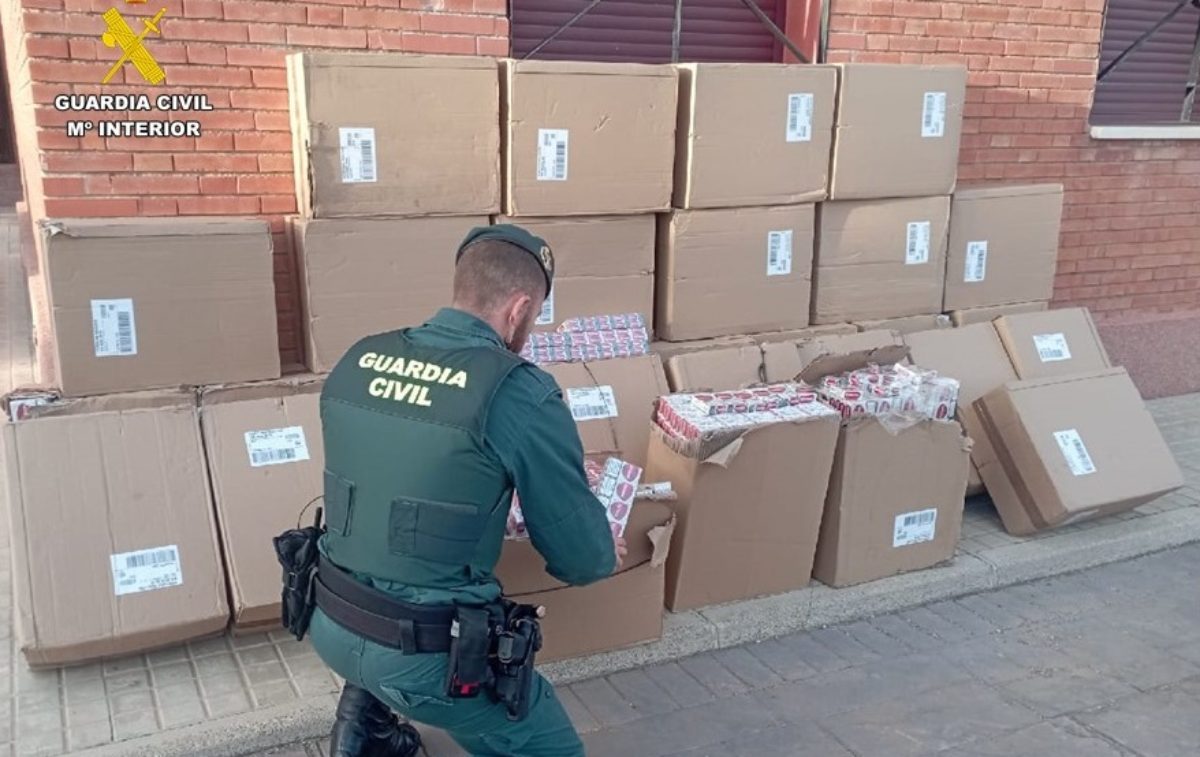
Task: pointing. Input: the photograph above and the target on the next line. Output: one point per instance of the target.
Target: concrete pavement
(1103, 663)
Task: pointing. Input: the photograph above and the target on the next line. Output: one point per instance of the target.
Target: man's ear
(521, 308)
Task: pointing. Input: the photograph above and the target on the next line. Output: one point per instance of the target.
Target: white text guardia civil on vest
(401, 391)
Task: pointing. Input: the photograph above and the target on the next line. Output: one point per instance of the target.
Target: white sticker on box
(546, 317)
(915, 527)
(358, 155)
(1052, 348)
(553, 154)
(1078, 459)
(592, 403)
(114, 332)
(976, 262)
(146, 570)
(916, 250)
(276, 446)
(779, 253)
(800, 117)
(933, 115)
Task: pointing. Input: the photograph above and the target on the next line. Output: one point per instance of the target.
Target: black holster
(298, 553)
(516, 648)
(494, 649)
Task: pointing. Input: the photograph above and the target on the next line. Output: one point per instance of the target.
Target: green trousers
(414, 686)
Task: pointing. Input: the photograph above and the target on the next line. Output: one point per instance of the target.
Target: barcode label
(933, 115)
(915, 527)
(113, 330)
(800, 117)
(146, 570)
(1052, 348)
(976, 269)
(779, 252)
(1078, 459)
(546, 317)
(916, 250)
(553, 157)
(592, 403)
(276, 446)
(358, 155)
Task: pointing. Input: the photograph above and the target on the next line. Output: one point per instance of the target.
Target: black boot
(365, 727)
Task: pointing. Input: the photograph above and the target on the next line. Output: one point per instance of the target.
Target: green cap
(519, 237)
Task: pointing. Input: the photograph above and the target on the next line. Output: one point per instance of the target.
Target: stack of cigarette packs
(891, 389)
(616, 484)
(598, 337)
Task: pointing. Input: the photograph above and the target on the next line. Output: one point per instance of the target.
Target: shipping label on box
(933, 115)
(1052, 348)
(552, 154)
(915, 527)
(800, 117)
(146, 570)
(779, 252)
(358, 155)
(1076, 454)
(276, 446)
(592, 403)
(976, 268)
(917, 249)
(114, 332)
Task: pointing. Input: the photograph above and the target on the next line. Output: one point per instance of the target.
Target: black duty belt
(378, 617)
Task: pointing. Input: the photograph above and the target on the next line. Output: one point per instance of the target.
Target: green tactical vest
(412, 495)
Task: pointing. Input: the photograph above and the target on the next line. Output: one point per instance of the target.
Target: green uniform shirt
(531, 432)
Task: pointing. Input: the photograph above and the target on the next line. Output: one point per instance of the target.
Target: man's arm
(565, 521)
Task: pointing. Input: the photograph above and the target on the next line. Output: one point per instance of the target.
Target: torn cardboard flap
(717, 368)
(725, 456)
(824, 359)
(660, 537)
(100, 228)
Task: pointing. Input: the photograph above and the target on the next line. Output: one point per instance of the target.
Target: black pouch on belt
(516, 651)
(468, 671)
(298, 553)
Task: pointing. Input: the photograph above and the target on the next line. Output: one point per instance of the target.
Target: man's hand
(620, 550)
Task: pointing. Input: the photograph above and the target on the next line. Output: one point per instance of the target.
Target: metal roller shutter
(640, 30)
(1147, 87)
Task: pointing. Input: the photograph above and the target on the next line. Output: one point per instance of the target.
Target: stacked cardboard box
(142, 303)
(114, 542)
(752, 155)
(881, 240)
(1003, 248)
(386, 195)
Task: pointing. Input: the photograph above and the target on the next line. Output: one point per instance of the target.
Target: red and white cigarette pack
(882, 390)
(616, 484)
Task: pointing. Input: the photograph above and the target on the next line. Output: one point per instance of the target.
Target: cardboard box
(897, 130)
(620, 611)
(265, 458)
(1075, 447)
(738, 271)
(895, 497)
(975, 356)
(612, 402)
(603, 265)
(732, 366)
(989, 314)
(748, 515)
(879, 259)
(1003, 245)
(149, 303)
(358, 154)
(804, 334)
(785, 361)
(361, 277)
(895, 501)
(588, 138)
(753, 134)
(115, 552)
(1052, 343)
(912, 324)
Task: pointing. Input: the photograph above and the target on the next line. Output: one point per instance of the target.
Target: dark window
(641, 30)
(1149, 86)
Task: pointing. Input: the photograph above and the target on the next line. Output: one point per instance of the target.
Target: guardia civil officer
(428, 431)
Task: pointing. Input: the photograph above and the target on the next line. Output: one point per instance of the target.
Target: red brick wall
(1131, 227)
(233, 51)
